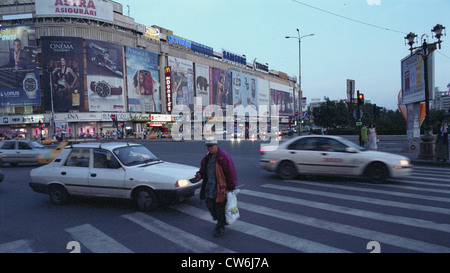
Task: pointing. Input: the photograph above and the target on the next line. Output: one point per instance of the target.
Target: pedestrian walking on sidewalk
(219, 176)
(441, 151)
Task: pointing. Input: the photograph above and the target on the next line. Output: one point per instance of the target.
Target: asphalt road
(313, 214)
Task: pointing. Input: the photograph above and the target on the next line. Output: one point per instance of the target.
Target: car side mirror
(350, 150)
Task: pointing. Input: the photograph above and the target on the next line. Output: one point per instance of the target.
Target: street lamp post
(299, 129)
(427, 144)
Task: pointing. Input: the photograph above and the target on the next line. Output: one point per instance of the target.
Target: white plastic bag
(231, 208)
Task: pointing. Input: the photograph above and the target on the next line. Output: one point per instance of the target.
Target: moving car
(48, 157)
(20, 151)
(115, 169)
(48, 140)
(331, 155)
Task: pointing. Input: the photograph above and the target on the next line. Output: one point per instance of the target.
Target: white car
(331, 155)
(20, 151)
(118, 170)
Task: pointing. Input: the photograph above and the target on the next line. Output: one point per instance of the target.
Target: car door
(74, 172)
(334, 157)
(106, 176)
(303, 152)
(25, 153)
(8, 151)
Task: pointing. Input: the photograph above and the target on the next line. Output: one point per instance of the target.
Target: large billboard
(202, 83)
(413, 78)
(245, 90)
(282, 96)
(105, 82)
(19, 70)
(63, 74)
(90, 9)
(142, 80)
(182, 82)
(220, 88)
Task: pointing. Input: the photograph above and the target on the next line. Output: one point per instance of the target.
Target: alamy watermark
(223, 121)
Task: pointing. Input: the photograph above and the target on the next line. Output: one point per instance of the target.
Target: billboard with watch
(105, 82)
(19, 70)
(62, 72)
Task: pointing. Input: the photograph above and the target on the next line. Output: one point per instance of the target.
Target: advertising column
(19, 70)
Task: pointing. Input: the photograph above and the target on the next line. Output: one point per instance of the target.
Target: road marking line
(95, 240)
(370, 235)
(362, 199)
(176, 235)
(350, 211)
(19, 246)
(378, 190)
(270, 235)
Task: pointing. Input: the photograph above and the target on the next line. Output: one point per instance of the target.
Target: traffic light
(121, 124)
(360, 98)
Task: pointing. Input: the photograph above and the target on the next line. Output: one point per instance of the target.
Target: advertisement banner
(220, 92)
(202, 83)
(263, 98)
(105, 76)
(413, 78)
(19, 69)
(182, 82)
(281, 95)
(142, 81)
(62, 72)
(244, 90)
(90, 9)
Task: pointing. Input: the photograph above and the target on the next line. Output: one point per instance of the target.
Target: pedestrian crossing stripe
(361, 199)
(351, 211)
(181, 238)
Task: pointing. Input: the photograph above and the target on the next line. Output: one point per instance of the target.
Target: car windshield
(351, 144)
(134, 155)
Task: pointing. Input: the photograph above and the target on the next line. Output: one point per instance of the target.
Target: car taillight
(262, 151)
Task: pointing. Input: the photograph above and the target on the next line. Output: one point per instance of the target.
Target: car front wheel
(376, 172)
(287, 170)
(58, 194)
(146, 200)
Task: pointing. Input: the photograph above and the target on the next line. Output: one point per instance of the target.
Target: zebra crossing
(405, 215)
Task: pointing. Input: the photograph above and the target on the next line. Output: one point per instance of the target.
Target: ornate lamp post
(427, 144)
(299, 129)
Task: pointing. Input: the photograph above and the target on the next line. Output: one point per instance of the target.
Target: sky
(366, 46)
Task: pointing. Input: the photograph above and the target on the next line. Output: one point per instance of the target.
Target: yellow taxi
(47, 141)
(48, 157)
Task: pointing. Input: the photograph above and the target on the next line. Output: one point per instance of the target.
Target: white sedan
(118, 170)
(331, 155)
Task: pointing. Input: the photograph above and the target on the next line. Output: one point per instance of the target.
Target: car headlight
(404, 162)
(182, 183)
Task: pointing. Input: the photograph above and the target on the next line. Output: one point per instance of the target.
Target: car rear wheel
(376, 172)
(58, 194)
(286, 170)
(146, 200)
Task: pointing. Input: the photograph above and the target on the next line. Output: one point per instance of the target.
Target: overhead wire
(348, 18)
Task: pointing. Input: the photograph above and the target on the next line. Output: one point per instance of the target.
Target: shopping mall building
(72, 67)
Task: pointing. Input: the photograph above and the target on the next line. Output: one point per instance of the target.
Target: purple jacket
(227, 164)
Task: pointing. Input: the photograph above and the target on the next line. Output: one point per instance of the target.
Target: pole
(300, 97)
(427, 144)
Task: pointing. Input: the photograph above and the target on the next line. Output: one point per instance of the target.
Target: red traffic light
(42, 126)
(121, 124)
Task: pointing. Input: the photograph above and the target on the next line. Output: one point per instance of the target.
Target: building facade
(75, 69)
